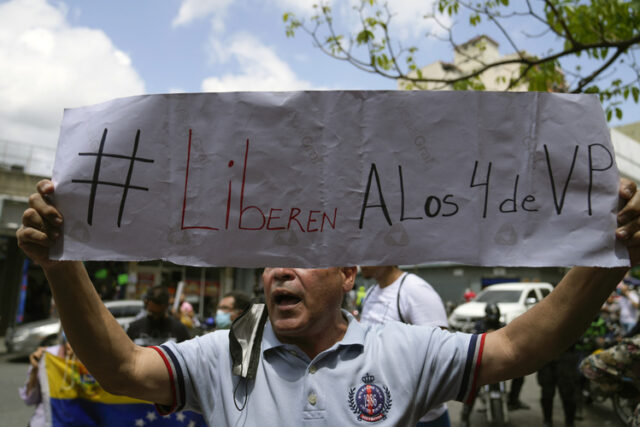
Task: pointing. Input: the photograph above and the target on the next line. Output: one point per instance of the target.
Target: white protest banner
(339, 178)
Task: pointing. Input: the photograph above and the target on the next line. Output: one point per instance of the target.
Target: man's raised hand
(41, 224)
(628, 230)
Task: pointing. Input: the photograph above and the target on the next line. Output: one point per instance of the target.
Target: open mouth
(286, 300)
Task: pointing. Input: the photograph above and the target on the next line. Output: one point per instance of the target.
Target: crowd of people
(156, 324)
(404, 297)
(613, 329)
(299, 356)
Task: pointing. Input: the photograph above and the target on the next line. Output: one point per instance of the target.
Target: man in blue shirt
(308, 362)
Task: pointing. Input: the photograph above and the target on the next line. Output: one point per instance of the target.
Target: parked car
(513, 299)
(24, 339)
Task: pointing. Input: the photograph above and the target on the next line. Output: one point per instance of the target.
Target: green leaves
(364, 36)
(544, 77)
(292, 24)
(588, 45)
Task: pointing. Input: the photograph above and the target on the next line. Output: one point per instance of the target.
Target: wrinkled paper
(335, 178)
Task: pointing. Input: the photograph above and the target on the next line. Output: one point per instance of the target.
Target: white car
(25, 338)
(513, 299)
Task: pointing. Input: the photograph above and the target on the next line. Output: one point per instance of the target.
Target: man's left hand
(628, 230)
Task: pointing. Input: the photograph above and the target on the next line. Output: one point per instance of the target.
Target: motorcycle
(624, 401)
(493, 398)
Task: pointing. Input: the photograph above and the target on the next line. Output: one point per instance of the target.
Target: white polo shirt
(386, 375)
(419, 303)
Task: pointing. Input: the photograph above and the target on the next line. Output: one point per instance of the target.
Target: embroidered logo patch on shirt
(370, 402)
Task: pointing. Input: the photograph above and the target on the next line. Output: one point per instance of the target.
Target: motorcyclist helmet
(492, 313)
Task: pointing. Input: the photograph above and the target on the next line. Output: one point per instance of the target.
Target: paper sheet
(339, 178)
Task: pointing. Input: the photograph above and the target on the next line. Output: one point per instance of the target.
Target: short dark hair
(158, 294)
(241, 300)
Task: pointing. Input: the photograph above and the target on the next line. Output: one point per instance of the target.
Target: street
(596, 415)
(16, 413)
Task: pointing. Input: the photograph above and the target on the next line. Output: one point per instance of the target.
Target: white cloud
(407, 20)
(218, 10)
(190, 10)
(47, 65)
(303, 7)
(260, 68)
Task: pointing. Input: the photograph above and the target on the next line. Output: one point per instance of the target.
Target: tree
(582, 46)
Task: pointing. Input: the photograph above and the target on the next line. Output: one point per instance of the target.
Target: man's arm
(113, 359)
(543, 332)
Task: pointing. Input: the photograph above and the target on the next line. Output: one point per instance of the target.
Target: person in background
(610, 313)
(188, 317)
(230, 307)
(157, 326)
(31, 391)
(595, 337)
(560, 373)
(468, 295)
(403, 297)
(629, 302)
(360, 294)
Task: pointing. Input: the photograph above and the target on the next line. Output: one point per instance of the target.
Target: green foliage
(602, 34)
(544, 77)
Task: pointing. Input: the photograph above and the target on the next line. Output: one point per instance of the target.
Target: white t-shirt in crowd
(420, 304)
(628, 313)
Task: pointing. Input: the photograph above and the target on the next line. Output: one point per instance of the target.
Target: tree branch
(585, 81)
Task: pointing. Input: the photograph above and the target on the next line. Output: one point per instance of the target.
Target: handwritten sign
(339, 178)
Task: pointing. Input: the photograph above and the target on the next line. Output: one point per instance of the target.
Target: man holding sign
(309, 362)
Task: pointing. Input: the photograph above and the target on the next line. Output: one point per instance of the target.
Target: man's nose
(283, 274)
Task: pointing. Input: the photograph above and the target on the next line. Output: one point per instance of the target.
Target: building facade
(467, 58)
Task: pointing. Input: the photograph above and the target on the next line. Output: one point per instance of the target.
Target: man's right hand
(41, 224)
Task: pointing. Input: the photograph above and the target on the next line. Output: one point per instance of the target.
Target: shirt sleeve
(434, 365)
(451, 366)
(469, 384)
(192, 367)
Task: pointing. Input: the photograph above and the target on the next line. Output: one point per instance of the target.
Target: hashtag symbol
(126, 186)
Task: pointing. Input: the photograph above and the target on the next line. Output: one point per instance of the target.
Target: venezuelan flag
(72, 397)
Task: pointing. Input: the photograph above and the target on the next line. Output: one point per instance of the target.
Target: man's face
(156, 311)
(371, 272)
(227, 304)
(305, 301)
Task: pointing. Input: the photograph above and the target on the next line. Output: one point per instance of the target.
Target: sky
(57, 54)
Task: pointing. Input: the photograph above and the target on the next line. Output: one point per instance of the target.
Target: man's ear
(349, 274)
